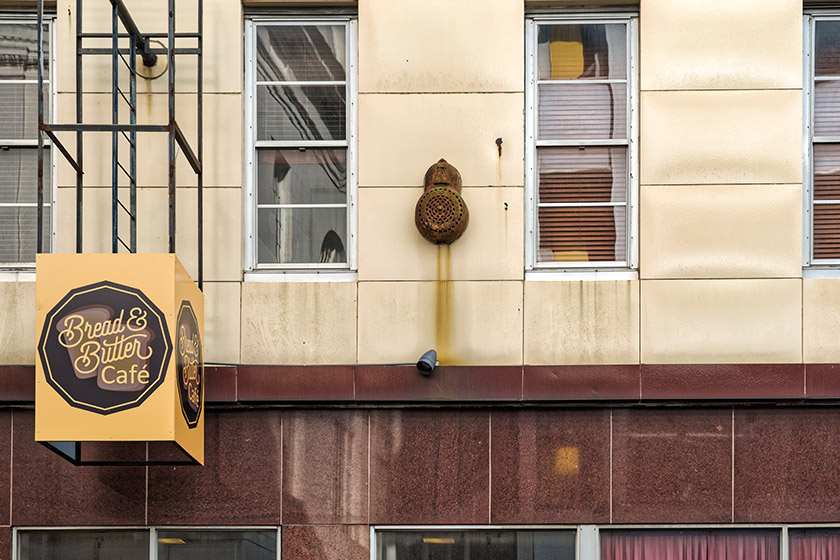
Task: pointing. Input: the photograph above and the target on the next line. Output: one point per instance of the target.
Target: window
(477, 544)
(300, 129)
(135, 544)
(698, 544)
(581, 151)
(19, 143)
(822, 135)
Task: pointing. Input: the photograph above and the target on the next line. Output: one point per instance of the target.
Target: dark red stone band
(503, 384)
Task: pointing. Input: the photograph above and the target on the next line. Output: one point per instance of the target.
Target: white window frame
(531, 142)
(251, 264)
(153, 530)
(50, 189)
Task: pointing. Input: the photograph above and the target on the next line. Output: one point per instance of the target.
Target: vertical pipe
(39, 244)
(171, 70)
(200, 121)
(132, 138)
(114, 135)
(79, 146)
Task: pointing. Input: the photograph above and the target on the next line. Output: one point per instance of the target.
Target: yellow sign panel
(120, 351)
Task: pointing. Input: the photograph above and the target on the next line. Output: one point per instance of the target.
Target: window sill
(821, 272)
(19, 275)
(275, 275)
(567, 275)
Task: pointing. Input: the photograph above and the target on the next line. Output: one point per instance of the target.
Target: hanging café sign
(120, 356)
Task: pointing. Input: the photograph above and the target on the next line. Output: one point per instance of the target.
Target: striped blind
(582, 143)
(825, 225)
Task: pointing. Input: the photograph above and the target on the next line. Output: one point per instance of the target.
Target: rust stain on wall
(443, 307)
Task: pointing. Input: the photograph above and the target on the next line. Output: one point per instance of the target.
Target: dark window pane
(301, 113)
(19, 175)
(575, 175)
(217, 545)
(582, 111)
(301, 53)
(813, 544)
(580, 52)
(826, 234)
(83, 545)
(301, 235)
(475, 545)
(827, 48)
(826, 171)
(18, 239)
(827, 108)
(736, 544)
(19, 51)
(582, 234)
(297, 176)
(19, 111)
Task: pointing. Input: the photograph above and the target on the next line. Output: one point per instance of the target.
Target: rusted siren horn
(441, 215)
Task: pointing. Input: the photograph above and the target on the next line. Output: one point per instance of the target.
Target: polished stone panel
(723, 381)
(446, 383)
(221, 384)
(429, 466)
(334, 542)
(787, 465)
(239, 483)
(6, 543)
(325, 466)
(550, 466)
(672, 465)
(49, 490)
(822, 380)
(551, 383)
(17, 383)
(5, 462)
(291, 383)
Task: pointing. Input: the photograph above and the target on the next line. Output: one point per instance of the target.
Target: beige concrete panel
(222, 322)
(222, 226)
(721, 231)
(400, 136)
(721, 321)
(391, 248)
(719, 44)
(17, 323)
(222, 141)
(440, 45)
(299, 322)
(725, 137)
(582, 322)
(821, 320)
(223, 46)
(468, 323)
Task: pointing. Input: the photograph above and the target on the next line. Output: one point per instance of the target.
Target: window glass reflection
(475, 545)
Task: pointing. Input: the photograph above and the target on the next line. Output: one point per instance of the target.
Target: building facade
(637, 333)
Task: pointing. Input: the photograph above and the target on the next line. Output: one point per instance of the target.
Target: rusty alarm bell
(441, 215)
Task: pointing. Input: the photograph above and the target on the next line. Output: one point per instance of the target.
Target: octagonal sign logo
(189, 364)
(105, 347)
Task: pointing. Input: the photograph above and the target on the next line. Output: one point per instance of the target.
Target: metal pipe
(171, 91)
(79, 145)
(139, 40)
(115, 193)
(39, 244)
(132, 68)
(200, 126)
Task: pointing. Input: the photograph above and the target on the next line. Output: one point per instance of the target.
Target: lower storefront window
(696, 544)
(142, 544)
(484, 544)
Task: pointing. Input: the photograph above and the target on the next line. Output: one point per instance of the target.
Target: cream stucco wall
(720, 198)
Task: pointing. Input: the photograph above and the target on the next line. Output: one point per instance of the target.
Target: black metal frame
(138, 45)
